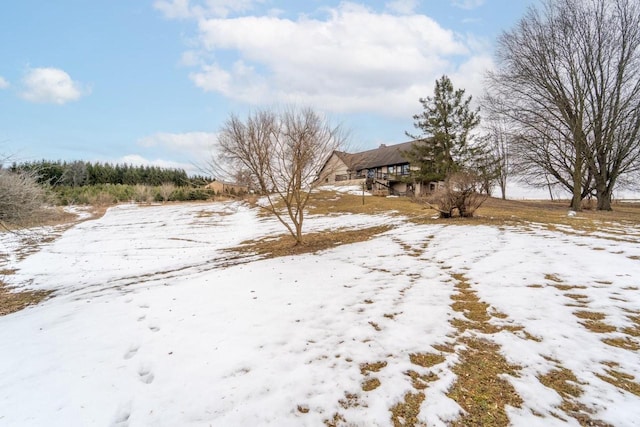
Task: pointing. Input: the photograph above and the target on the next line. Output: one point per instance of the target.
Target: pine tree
(444, 146)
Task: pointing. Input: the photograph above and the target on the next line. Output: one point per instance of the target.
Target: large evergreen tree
(443, 147)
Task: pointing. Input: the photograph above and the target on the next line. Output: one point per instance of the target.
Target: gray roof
(385, 155)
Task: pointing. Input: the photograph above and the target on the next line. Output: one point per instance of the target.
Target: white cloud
(3, 83)
(403, 7)
(353, 60)
(51, 85)
(467, 4)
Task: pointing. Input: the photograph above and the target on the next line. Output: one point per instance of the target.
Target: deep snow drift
(153, 323)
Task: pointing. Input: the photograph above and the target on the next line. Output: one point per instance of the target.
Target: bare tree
(497, 147)
(75, 174)
(283, 152)
(569, 78)
(245, 147)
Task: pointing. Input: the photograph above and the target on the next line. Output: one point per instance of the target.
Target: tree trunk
(503, 189)
(576, 201)
(603, 193)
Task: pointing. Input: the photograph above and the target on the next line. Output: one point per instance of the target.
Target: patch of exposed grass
(480, 388)
(569, 287)
(444, 348)
(634, 330)
(577, 297)
(426, 360)
(420, 382)
(327, 203)
(12, 300)
(350, 400)
(370, 384)
(590, 315)
(598, 326)
(565, 383)
(335, 421)
(284, 245)
(552, 278)
(405, 413)
(625, 343)
(365, 368)
(620, 379)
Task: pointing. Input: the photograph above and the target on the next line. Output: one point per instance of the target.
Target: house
(221, 187)
(383, 170)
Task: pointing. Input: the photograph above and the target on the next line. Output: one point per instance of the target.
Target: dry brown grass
(554, 213)
(598, 326)
(370, 384)
(405, 413)
(634, 330)
(426, 360)
(620, 379)
(590, 315)
(565, 383)
(284, 244)
(625, 343)
(494, 211)
(480, 388)
(327, 203)
(12, 301)
(421, 381)
(365, 368)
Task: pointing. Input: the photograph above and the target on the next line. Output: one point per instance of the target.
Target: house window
(405, 169)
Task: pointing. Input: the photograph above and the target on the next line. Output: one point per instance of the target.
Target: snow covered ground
(153, 323)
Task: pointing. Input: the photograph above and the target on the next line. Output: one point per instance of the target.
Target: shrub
(21, 198)
(460, 193)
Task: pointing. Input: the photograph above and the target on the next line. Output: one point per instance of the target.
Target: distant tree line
(81, 173)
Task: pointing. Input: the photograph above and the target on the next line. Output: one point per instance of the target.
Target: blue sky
(151, 81)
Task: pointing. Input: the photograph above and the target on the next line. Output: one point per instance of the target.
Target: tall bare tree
(283, 152)
(569, 79)
(498, 153)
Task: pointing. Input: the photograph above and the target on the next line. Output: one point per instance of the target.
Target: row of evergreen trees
(81, 173)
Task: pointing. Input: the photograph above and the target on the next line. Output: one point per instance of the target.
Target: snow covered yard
(154, 323)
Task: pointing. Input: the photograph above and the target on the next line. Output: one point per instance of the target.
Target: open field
(204, 314)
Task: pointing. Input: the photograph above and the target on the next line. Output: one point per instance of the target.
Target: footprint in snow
(141, 318)
(154, 328)
(123, 413)
(131, 352)
(145, 374)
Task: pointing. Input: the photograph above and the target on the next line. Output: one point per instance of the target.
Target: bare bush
(166, 190)
(21, 199)
(460, 193)
(142, 194)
